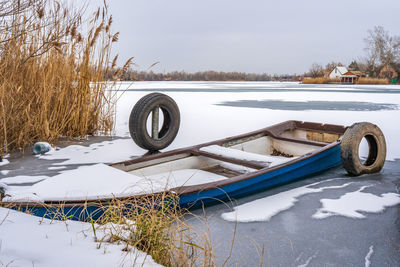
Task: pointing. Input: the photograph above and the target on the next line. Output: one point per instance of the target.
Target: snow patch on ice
(57, 168)
(5, 172)
(23, 179)
(104, 152)
(368, 257)
(352, 203)
(307, 262)
(265, 208)
(4, 162)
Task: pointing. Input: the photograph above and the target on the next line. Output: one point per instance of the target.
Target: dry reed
(52, 72)
(157, 226)
(366, 80)
(320, 80)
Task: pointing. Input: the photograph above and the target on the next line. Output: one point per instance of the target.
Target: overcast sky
(276, 37)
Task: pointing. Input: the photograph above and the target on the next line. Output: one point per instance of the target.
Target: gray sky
(280, 36)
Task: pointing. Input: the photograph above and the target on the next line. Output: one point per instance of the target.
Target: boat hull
(301, 169)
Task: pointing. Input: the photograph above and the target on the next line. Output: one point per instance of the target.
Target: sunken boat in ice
(212, 172)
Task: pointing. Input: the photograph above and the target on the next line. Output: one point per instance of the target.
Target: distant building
(338, 72)
(387, 72)
(344, 75)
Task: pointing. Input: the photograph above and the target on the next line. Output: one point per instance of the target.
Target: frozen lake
(325, 220)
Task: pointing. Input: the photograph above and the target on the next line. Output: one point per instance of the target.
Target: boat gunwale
(273, 131)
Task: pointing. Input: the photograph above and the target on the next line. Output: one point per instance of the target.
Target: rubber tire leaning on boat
(349, 149)
(138, 121)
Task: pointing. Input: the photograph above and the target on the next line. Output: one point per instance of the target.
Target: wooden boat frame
(326, 156)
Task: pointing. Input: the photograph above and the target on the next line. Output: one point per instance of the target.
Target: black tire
(350, 145)
(138, 120)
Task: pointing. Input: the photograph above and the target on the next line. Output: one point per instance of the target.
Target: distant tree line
(132, 75)
(382, 51)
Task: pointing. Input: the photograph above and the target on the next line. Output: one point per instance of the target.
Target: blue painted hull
(299, 169)
(307, 167)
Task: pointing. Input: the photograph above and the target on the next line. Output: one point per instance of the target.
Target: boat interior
(238, 155)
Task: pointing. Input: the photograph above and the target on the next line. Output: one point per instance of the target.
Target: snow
(105, 152)
(5, 172)
(352, 203)
(265, 160)
(368, 257)
(22, 179)
(26, 240)
(185, 177)
(265, 208)
(102, 181)
(237, 168)
(349, 205)
(57, 168)
(307, 262)
(4, 162)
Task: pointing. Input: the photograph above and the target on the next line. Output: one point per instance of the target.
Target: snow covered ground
(27, 240)
(209, 111)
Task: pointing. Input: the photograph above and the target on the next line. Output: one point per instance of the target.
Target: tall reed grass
(366, 80)
(319, 80)
(53, 60)
(361, 80)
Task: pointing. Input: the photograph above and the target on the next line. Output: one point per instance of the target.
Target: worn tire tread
(350, 145)
(138, 118)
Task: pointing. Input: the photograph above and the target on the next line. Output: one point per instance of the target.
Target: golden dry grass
(366, 80)
(319, 80)
(52, 73)
(158, 227)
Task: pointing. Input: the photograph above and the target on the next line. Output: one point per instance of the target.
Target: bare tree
(331, 65)
(382, 48)
(316, 70)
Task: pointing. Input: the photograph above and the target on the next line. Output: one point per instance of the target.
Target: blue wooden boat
(238, 166)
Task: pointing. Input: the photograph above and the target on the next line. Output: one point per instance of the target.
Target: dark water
(286, 87)
(311, 105)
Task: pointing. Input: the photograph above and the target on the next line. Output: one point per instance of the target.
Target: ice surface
(28, 240)
(265, 208)
(352, 203)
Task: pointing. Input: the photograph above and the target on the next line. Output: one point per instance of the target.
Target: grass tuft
(156, 226)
